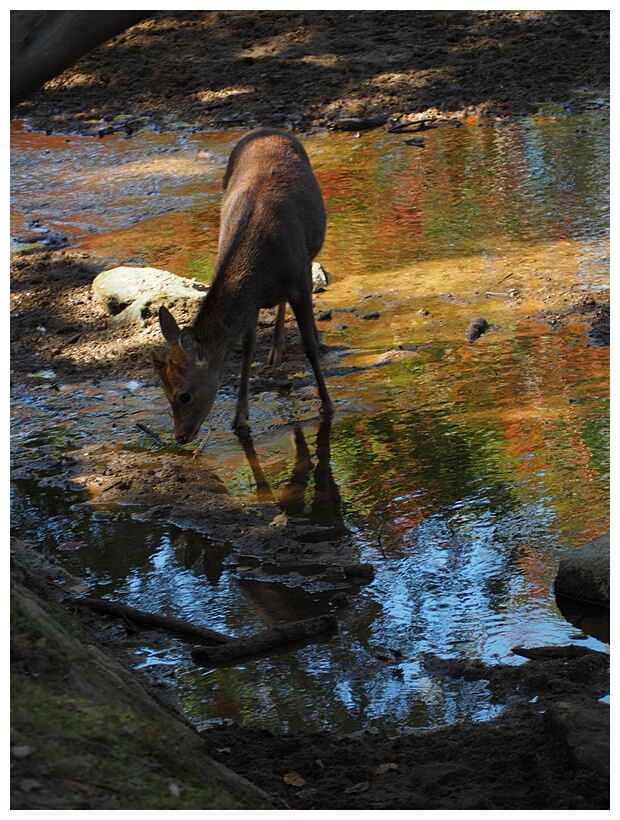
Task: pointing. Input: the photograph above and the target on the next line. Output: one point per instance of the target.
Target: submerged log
(171, 624)
(263, 641)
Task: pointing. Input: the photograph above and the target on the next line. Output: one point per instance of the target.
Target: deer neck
(226, 314)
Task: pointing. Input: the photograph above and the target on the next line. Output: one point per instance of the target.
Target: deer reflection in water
(325, 509)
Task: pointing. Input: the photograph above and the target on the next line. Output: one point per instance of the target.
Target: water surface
(465, 471)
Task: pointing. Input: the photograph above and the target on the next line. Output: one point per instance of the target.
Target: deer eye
(185, 398)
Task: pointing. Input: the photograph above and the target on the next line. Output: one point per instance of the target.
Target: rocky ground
(311, 70)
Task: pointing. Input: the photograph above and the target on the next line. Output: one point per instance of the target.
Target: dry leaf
(359, 787)
(293, 779)
(386, 767)
(280, 520)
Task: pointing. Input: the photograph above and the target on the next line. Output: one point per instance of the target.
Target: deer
(272, 225)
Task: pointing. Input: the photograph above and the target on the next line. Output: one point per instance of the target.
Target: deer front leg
(304, 314)
(240, 419)
(277, 346)
(263, 491)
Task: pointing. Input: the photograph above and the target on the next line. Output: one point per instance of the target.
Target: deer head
(189, 378)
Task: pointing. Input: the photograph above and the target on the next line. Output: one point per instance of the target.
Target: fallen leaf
(280, 520)
(386, 767)
(359, 787)
(293, 779)
(80, 588)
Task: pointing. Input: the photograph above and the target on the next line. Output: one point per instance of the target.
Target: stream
(463, 470)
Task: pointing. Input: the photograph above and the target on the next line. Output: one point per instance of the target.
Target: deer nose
(181, 439)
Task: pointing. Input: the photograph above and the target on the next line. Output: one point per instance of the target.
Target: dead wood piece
(170, 624)
(263, 641)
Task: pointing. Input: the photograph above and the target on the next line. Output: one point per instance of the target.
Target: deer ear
(158, 362)
(191, 345)
(168, 325)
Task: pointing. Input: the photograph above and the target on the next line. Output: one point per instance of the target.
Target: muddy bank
(86, 734)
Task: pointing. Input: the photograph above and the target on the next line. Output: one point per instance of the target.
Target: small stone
(21, 752)
(476, 328)
(320, 278)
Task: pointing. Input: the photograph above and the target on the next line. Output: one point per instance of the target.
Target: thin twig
(200, 447)
(379, 544)
(151, 433)
(508, 275)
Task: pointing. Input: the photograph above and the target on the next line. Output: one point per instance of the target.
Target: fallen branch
(184, 628)
(263, 641)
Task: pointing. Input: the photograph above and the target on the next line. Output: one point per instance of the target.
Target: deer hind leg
(242, 412)
(276, 353)
(302, 308)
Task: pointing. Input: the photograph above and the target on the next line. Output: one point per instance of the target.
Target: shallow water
(465, 471)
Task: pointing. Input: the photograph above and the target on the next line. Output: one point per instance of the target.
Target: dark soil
(314, 69)
(307, 68)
